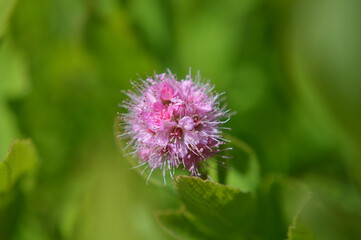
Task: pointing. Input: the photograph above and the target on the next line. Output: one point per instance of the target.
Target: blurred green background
(291, 71)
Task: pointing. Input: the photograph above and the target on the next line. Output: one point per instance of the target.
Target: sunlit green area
(291, 72)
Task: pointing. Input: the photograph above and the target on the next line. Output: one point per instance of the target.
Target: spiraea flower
(173, 124)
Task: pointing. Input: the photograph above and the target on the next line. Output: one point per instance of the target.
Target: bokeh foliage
(291, 70)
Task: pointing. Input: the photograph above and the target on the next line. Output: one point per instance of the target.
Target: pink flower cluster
(173, 123)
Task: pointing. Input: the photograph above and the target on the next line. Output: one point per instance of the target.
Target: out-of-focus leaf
(214, 36)
(279, 200)
(215, 209)
(14, 81)
(245, 172)
(335, 213)
(8, 129)
(290, 194)
(30, 229)
(6, 7)
(299, 230)
(332, 211)
(153, 24)
(176, 224)
(327, 78)
(21, 160)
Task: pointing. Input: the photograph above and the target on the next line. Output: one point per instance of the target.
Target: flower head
(173, 123)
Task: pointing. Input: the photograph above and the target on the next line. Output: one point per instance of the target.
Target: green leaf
(8, 129)
(6, 7)
(299, 231)
(176, 224)
(295, 193)
(279, 199)
(335, 210)
(13, 84)
(215, 209)
(245, 170)
(14, 81)
(21, 160)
